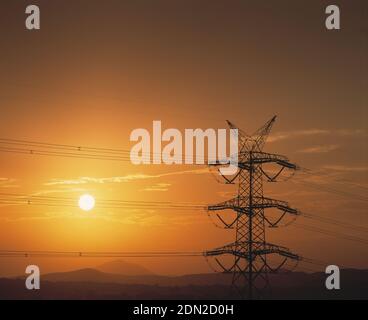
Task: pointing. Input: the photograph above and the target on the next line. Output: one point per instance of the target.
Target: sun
(86, 202)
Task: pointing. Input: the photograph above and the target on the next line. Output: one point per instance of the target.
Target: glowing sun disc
(86, 202)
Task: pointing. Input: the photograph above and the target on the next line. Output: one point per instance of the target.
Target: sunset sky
(99, 69)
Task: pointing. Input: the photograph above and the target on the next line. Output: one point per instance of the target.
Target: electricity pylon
(250, 249)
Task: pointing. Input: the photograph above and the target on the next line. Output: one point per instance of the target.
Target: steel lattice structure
(250, 249)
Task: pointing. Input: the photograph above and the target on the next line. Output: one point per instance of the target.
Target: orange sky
(99, 69)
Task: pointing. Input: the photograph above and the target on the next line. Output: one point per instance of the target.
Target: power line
(70, 151)
(123, 155)
(23, 199)
(122, 254)
(103, 153)
(38, 152)
(333, 222)
(92, 254)
(330, 233)
(326, 174)
(84, 152)
(333, 191)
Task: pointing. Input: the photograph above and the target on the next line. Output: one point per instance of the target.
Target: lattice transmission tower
(250, 251)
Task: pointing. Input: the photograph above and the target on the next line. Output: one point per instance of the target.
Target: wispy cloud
(313, 132)
(121, 179)
(320, 149)
(8, 183)
(63, 189)
(350, 132)
(346, 168)
(293, 134)
(158, 187)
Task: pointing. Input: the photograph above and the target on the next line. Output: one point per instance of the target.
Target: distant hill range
(93, 275)
(123, 267)
(139, 283)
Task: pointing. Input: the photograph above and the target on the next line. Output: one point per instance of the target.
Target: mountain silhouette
(123, 267)
(95, 284)
(97, 276)
(282, 279)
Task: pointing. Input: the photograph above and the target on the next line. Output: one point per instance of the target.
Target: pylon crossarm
(258, 203)
(248, 158)
(227, 249)
(228, 204)
(278, 250)
(278, 204)
(220, 250)
(267, 248)
(287, 164)
(222, 162)
(288, 254)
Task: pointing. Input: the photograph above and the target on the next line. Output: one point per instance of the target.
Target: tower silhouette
(250, 250)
